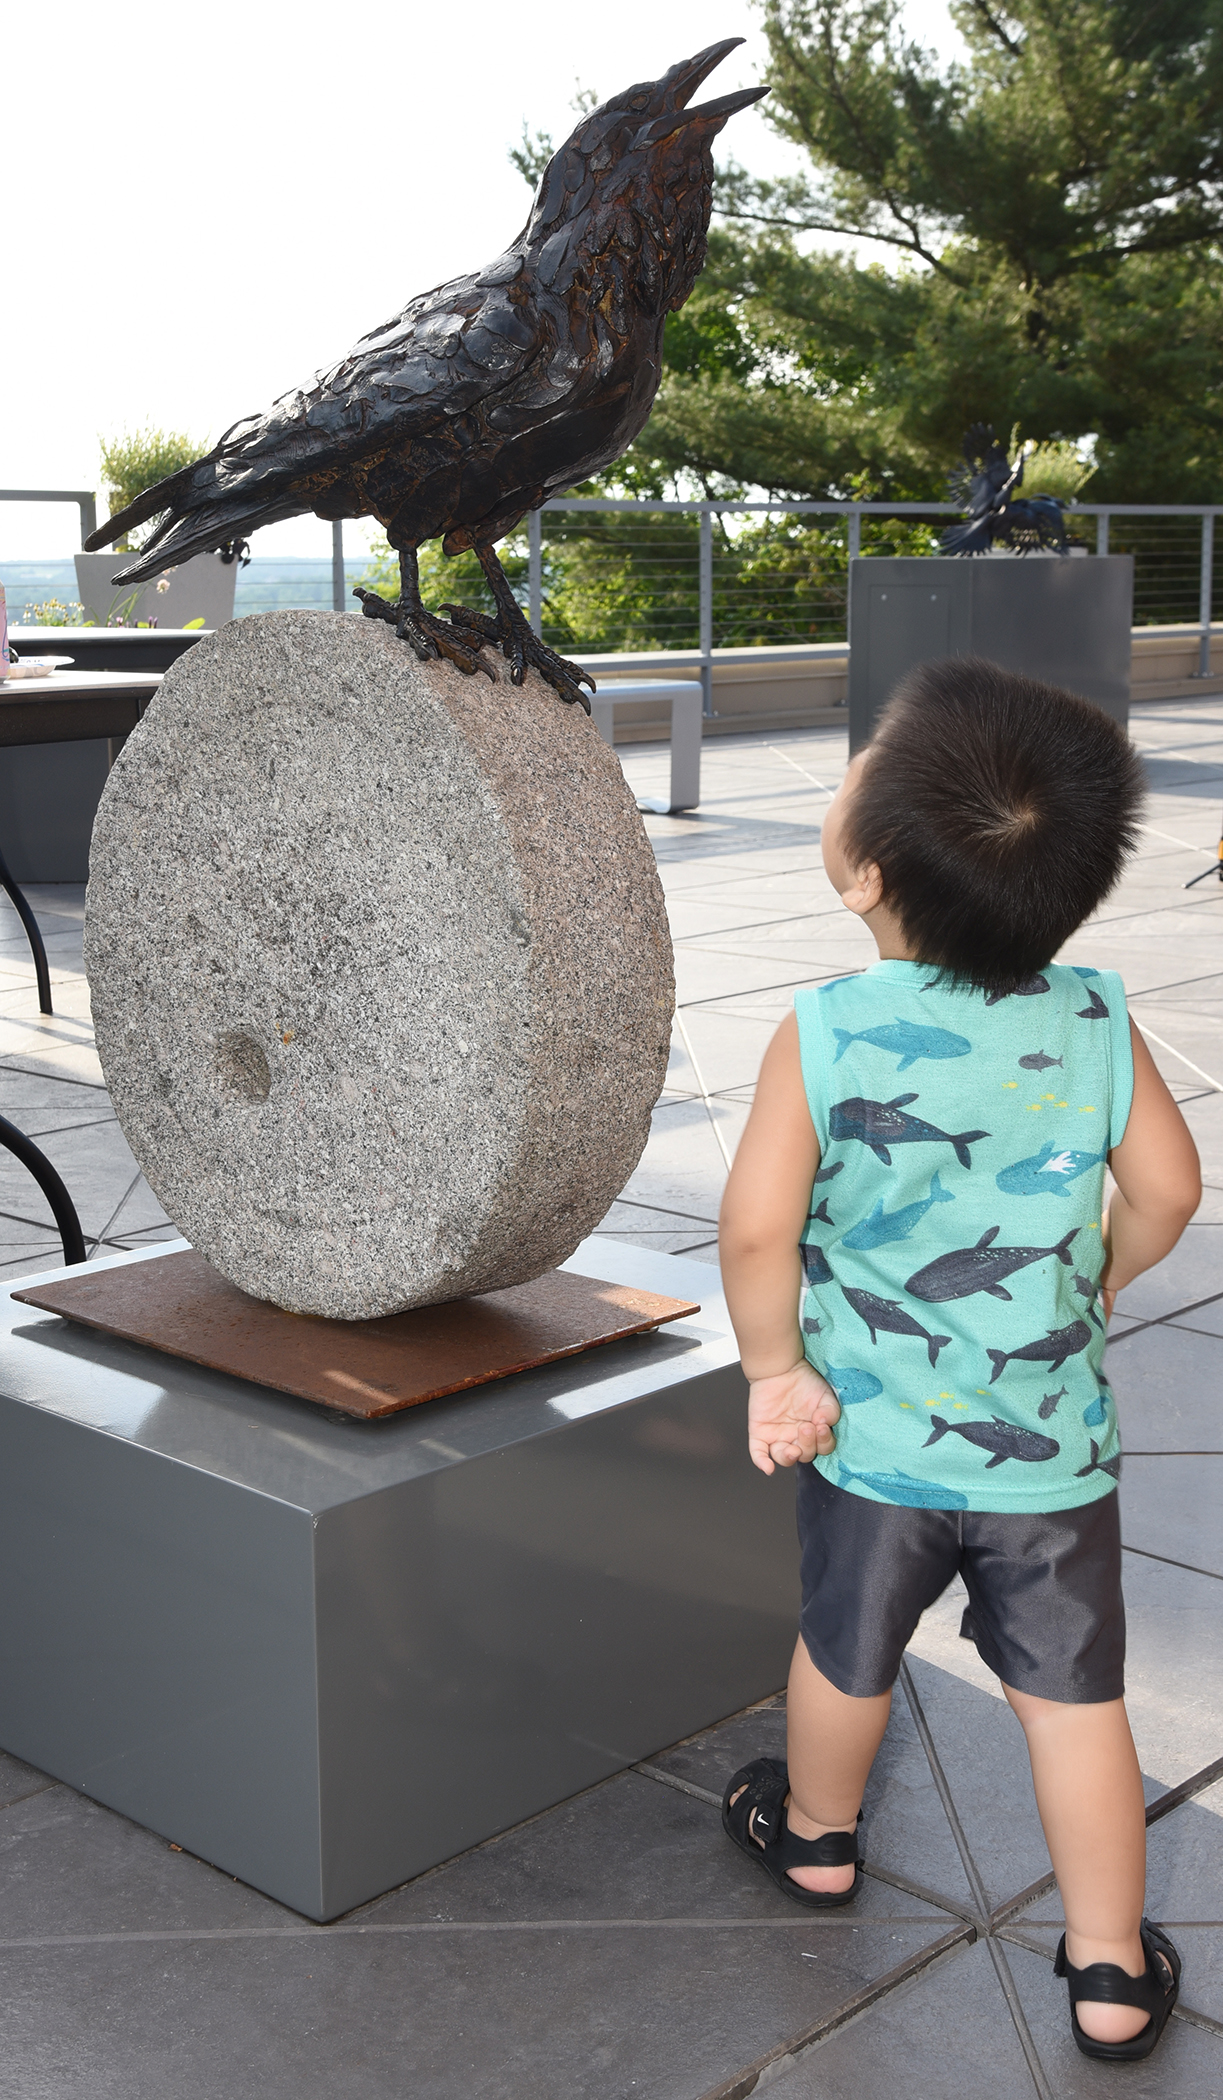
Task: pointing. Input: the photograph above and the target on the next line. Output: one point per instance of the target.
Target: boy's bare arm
(764, 1209)
(1158, 1179)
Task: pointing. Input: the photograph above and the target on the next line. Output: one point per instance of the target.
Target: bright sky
(222, 201)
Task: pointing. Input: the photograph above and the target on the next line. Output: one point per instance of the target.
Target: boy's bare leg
(831, 1742)
(1089, 1793)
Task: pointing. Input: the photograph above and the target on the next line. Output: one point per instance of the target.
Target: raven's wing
(448, 350)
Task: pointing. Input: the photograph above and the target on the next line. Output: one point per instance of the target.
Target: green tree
(1055, 204)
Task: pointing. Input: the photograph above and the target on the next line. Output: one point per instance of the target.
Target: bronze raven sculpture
(485, 397)
(985, 483)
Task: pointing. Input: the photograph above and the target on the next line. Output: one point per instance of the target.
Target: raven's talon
(424, 633)
(523, 649)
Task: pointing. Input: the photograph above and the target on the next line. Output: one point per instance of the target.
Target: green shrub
(138, 461)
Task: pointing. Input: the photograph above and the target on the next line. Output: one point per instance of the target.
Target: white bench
(685, 699)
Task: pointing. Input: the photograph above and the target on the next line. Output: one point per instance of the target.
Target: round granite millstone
(380, 966)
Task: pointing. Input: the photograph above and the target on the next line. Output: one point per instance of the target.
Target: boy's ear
(866, 889)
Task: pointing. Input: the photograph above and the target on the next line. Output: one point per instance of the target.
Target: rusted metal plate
(176, 1303)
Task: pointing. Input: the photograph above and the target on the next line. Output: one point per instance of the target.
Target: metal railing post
(855, 531)
(337, 566)
(705, 609)
(89, 515)
(1102, 532)
(535, 571)
(1206, 593)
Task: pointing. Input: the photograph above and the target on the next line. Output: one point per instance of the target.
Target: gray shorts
(1044, 1592)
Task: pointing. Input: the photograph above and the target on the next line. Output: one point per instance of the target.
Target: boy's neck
(888, 935)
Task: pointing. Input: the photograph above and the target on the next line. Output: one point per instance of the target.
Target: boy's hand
(790, 1418)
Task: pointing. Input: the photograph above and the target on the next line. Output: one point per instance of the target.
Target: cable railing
(659, 582)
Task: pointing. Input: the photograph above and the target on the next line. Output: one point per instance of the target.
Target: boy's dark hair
(999, 811)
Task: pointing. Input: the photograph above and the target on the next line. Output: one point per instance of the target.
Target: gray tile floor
(617, 1946)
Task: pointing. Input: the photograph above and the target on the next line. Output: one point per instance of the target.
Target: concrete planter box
(1062, 620)
(202, 588)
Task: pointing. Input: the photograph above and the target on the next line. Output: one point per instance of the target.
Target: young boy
(923, 1170)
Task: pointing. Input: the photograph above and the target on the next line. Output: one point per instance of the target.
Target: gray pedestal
(327, 1654)
(1065, 620)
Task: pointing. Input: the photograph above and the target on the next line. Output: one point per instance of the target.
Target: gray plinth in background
(1065, 620)
(325, 1655)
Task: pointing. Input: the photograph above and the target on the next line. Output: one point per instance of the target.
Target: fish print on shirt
(888, 1316)
(827, 1173)
(1027, 990)
(1052, 1349)
(1095, 1414)
(1004, 1439)
(1036, 1061)
(819, 1216)
(815, 1266)
(1048, 1405)
(966, 1270)
(901, 1487)
(1097, 1011)
(1046, 1172)
(909, 1040)
(883, 1226)
(881, 1124)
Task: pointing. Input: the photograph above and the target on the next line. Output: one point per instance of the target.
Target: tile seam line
(1163, 1319)
(1165, 1560)
(409, 1927)
(777, 2062)
(705, 1094)
(1179, 1054)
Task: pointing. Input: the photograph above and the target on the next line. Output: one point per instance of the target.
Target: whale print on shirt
(853, 1385)
(888, 1316)
(966, 1270)
(815, 1266)
(1027, 990)
(883, 1226)
(901, 1487)
(881, 1124)
(1052, 1349)
(1111, 1466)
(1004, 1439)
(1046, 1172)
(910, 1040)
(1097, 1011)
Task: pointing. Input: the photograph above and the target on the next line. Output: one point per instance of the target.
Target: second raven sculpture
(985, 482)
(485, 397)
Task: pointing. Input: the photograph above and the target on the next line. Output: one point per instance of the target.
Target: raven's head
(638, 172)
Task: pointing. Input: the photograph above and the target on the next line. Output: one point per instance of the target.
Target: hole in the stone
(242, 1066)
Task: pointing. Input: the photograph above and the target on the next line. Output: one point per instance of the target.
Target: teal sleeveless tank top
(952, 1254)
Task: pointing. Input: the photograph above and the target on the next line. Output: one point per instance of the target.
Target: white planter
(202, 588)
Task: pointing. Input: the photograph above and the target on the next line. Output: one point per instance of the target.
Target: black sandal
(1104, 1983)
(760, 1812)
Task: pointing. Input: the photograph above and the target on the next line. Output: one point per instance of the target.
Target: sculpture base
(362, 1367)
(326, 1654)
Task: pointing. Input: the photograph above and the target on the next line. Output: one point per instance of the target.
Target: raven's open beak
(682, 81)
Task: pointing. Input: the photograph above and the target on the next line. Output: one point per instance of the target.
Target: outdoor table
(65, 707)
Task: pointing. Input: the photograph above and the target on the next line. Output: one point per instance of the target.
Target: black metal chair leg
(62, 1205)
(21, 907)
